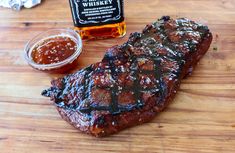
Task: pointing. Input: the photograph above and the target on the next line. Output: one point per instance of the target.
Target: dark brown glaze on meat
(134, 81)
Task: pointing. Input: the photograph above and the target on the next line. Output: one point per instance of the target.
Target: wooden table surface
(200, 119)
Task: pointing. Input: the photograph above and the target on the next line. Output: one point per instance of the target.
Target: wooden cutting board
(200, 119)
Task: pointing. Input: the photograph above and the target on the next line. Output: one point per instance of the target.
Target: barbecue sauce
(53, 50)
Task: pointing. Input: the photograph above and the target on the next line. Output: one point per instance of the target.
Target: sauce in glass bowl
(54, 50)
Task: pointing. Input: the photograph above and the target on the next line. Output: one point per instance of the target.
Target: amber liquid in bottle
(102, 32)
(98, 19)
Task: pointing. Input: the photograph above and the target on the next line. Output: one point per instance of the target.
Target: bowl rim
(41, 36)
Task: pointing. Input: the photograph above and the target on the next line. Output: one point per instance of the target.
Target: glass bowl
(60, 66)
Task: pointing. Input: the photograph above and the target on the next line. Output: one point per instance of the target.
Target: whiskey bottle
(98, 19)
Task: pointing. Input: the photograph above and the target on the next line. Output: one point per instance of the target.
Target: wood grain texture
(200, 119)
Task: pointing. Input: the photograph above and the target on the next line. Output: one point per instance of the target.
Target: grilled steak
(134, 81)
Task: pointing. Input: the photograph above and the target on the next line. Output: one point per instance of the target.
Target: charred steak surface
(134, 81)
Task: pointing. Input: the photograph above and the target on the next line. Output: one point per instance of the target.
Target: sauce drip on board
(53, 50)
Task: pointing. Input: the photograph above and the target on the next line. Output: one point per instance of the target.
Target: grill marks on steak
(133, 81)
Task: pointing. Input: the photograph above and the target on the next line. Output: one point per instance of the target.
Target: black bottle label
(96, 12)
